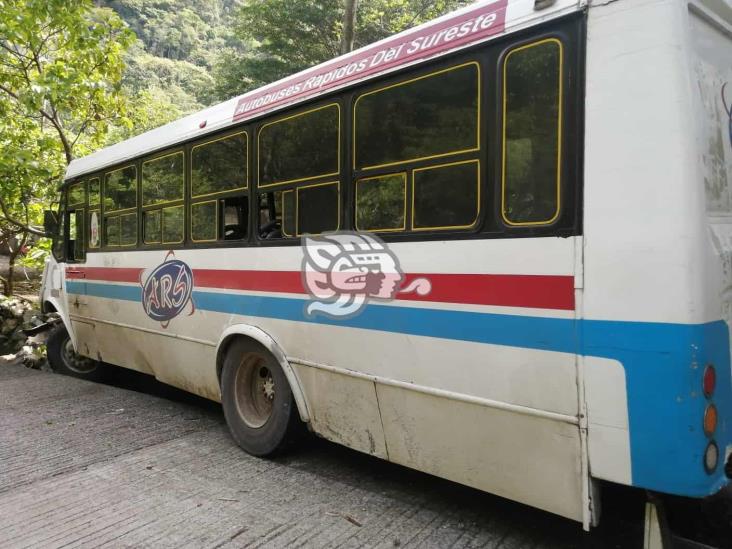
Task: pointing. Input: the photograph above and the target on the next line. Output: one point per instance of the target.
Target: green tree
(60, 73)
(284, 37)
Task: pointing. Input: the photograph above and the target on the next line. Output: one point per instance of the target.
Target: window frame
(297, 190)
(435, 72)
(560, 128)
(193, 147)
(147, 160)
(216, 203)
(478, 197)
(405, 180)
(335, 103)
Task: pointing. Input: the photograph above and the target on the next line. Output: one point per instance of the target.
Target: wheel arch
(254, 333)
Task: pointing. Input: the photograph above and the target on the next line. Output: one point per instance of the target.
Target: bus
(496, 248)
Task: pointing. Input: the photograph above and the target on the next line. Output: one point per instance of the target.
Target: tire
(64, 360)
(258, 404)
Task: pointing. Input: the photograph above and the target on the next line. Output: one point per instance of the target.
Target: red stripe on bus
(506, 290)
(107, 274)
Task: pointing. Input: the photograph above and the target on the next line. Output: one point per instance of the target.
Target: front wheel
(64, 360)
(258, 403)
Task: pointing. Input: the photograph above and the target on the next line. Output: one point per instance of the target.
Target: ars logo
(343, 271)
(167, 290)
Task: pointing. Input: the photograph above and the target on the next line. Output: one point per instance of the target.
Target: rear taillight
(710, 420)
(709, 382)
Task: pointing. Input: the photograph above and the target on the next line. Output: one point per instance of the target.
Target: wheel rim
(74, 362)
(255, 391)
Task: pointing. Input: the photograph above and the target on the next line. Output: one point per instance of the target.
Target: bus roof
(479, 22)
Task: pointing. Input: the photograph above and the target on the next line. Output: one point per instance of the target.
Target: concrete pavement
(89, 465)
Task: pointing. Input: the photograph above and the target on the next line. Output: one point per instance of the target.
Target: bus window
(219, 166)
(95, 192)
(173, 225)
(381, 203)
(300, 147)
(120, 189)
(128, 229)
(426, 117)
(317, 209)
(152, 227)
(532, 111)
(162, 179)
(204, 221)
(76, 212)
(446, 196)
(120, 196)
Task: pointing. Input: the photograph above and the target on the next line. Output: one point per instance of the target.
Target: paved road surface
(87, 465)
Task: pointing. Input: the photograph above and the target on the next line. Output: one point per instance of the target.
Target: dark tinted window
(152, 223)
(300, 147)
(162, 179)
(77, 194)
(446, 196)
(532, 84)
(219, 166)
(95, 192)
(120, 189)
(128, 230)
(111, 230)
(431, 116)
(317, 208)
(173, 225)
(381, 202)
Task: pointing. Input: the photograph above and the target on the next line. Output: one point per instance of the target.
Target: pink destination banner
(465, 28)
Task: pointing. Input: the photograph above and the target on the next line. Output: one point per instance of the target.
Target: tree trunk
(349, 24)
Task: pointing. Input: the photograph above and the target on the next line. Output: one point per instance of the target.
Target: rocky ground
(19, 315)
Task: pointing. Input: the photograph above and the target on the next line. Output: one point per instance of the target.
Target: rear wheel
(258, 403)
(64, 360)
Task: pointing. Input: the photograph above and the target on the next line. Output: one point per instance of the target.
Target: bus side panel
(525, 458)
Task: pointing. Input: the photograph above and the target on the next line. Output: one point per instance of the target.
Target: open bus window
(308, 209)
(222, 219)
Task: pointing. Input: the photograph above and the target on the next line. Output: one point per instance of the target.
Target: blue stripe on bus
(663, 364)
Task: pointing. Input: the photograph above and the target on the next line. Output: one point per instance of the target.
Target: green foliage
(179, 41)
(285, 37)
(60, 75)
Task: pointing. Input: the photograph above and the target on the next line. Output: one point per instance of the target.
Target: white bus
(547, 305)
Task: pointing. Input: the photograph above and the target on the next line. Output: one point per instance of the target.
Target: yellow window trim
(303, 113)
(282, 224)
(441, 155)
(447, 227)
(137, 189)
(404, 216)
(88, 192)
(246, 152)
(559, 134)
(162, 225)
(183, 179)
(120, 230)
(99, 215)
(216, 209)
(68, 193)
(297, 204)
